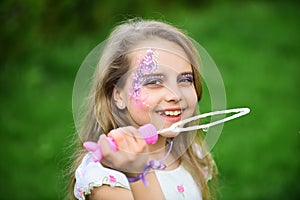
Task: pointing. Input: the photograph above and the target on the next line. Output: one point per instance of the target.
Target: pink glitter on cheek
(147, 66)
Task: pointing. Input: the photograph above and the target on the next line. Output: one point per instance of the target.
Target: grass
(256, 47)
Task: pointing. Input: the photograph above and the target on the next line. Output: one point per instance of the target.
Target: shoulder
(91, 175)
(106, 192)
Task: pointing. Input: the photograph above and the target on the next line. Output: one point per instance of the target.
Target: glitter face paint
(146, 66)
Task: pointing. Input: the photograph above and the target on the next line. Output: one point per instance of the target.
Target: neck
(159, 150)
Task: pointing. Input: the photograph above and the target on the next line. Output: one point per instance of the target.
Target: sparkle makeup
(144, 75)
(148, 65)
(186, 78)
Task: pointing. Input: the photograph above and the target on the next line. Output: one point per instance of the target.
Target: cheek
(143, 99)
(139, 111)
(190, 96)
(194, 100)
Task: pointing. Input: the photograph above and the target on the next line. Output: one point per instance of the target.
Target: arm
(106, 192)
(131, 158)
(139, 191)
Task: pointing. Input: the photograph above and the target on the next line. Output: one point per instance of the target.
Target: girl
(148, 73)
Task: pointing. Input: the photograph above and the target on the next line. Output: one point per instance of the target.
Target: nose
(173, 94)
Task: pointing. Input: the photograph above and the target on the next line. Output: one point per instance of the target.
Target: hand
(132, 154)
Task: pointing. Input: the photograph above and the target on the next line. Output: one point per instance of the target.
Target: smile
(171, 113)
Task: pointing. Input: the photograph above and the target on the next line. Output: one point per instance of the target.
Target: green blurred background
(255, 44)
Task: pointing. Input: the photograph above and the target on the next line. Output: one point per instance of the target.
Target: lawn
(256, 46)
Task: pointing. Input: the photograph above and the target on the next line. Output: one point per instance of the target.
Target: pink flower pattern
(112, 179)
(80, 191)
(180, 189)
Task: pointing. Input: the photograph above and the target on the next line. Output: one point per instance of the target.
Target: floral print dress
(176, 184)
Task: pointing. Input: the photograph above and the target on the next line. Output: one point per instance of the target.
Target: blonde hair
(103, 116)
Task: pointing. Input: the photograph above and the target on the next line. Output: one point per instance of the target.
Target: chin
(169, 134)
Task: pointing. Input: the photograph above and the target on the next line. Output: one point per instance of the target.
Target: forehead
(166, 54)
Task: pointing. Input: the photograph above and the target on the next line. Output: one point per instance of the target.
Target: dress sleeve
(91, 174)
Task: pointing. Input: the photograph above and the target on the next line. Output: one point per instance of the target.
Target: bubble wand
(150, 133)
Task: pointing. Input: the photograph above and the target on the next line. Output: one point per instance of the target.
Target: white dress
(175, 184)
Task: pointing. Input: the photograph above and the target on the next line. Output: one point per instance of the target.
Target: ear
(119, 98)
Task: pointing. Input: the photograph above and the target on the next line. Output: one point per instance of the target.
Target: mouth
(171, 115)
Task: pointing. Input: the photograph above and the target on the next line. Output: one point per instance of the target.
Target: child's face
(160, 88)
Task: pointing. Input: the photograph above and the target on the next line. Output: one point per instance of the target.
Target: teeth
(172, 113)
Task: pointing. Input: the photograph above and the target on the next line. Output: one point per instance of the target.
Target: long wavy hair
(103, 115)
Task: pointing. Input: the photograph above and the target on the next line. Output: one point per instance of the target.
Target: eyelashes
(186, 79)
(159, 80)
(153, 80)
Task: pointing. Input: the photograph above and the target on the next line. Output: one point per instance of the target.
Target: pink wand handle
(148, 132)
(96, 150)
(112, 143)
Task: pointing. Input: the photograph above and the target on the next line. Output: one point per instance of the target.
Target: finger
(119, 138)
(136, 142)
(104, 146)
(107, 151)
(130, 134)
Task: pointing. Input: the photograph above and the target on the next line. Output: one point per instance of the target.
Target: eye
(186, 79)
(153, 81)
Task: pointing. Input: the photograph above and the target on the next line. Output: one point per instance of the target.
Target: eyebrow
(164, 74)
(187, 73)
